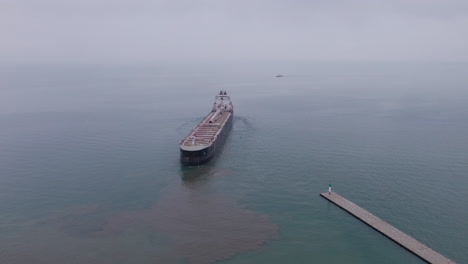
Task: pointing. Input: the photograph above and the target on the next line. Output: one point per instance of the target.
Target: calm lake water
(90, 173)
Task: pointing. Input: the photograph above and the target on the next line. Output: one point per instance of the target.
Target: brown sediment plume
(202, 227)
(197, 224)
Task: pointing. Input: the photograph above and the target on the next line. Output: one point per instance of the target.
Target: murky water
(90, 171)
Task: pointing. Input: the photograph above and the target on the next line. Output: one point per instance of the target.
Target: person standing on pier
(329, 188)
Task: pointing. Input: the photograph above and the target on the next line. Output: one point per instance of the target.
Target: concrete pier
(411, 244)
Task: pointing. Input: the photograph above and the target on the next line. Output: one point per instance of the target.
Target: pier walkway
(411, 244)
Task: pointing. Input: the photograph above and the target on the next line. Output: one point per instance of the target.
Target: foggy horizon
(146, 31)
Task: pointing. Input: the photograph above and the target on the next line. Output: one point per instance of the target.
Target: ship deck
(205, 133)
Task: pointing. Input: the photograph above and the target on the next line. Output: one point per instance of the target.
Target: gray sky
(147, 31)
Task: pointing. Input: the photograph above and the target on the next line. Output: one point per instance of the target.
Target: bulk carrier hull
(200, 157)
(207, 139)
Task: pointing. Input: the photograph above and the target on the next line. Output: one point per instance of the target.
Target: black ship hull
(199, 157)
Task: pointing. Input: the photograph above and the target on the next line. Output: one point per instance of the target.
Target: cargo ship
(206, 140)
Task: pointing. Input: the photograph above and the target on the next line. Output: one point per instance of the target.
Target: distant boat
(279, 75)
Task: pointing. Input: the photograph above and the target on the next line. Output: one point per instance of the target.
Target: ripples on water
(198, 225)
(90, 170)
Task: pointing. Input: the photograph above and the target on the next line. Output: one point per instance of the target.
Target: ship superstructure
(205, 140)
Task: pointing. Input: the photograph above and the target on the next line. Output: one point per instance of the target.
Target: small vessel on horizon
(208, 137)
(279, 75)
